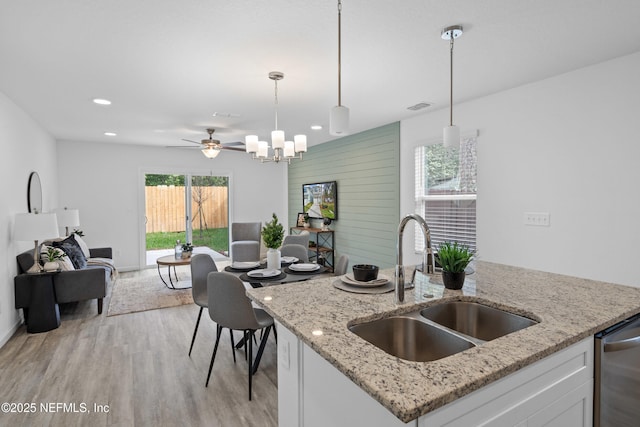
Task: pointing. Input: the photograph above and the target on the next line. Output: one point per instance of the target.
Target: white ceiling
(168, 65)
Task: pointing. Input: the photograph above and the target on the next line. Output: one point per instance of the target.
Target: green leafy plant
(187, 247)
(273, 233)
(454, 257)
(78, 232)
(53, 255)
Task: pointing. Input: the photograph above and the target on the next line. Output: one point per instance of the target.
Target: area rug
(134, 294)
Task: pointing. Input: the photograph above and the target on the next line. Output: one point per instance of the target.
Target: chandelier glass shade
(281, 149)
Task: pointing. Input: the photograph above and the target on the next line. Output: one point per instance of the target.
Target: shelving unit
(323, 248)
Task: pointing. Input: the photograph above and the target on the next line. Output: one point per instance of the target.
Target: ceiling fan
(212, 147)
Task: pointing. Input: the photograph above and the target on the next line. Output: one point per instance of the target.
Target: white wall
(104, 181)
(568, 145)
(25, 148)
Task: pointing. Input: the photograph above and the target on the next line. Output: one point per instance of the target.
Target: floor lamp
(34, 227)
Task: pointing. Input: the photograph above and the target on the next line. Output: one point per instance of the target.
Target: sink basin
(476, 320)
(410, 339)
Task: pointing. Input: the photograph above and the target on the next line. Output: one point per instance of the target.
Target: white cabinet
(555, 391)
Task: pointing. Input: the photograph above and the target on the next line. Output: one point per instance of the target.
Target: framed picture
(320, 200)
(301, 217)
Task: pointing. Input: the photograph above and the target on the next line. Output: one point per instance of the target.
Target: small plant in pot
(187, 250)
(51, 258)
(272, 234)
(454, 258)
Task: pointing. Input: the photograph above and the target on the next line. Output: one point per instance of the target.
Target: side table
(35, 295)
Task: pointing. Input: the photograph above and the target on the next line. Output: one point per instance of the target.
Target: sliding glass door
(188, 208)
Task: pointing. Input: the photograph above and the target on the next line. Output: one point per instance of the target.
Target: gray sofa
(69, 286)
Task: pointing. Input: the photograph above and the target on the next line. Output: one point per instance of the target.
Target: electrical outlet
(540, 219)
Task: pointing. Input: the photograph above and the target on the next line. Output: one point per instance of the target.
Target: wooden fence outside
(165, 208)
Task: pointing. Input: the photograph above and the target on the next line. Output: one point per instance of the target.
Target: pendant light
(339, 118)
(282, 150)
(451, 134)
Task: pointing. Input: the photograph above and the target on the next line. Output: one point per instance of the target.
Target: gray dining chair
(298, 251)
(299, 239)
(341, 265)
(245, 241)
(230, 308)
(201, 266)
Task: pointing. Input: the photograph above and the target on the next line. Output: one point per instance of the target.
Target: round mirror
(34, 193)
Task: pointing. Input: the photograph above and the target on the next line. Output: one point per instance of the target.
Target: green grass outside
(215, 238)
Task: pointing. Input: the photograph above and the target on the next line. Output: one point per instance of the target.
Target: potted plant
(454, 258)
(272, 234)
(187, 250)
(51, 258)
(306, 221)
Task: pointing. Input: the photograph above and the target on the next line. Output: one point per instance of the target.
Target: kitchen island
(315, 317)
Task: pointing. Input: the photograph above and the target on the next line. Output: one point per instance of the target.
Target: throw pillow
(70, 240)
(83, 245)
(75, 254)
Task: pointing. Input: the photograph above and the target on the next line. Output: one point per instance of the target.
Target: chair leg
(263, 343)
(195, 331)
(213, 356)
(249, 364)
(99, 305)
(275, 333)
(233, 347)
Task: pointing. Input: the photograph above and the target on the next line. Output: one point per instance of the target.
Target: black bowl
(365, 272)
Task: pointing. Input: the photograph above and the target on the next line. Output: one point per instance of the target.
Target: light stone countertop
(569, 309)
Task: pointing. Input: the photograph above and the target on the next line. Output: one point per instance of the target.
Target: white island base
(555, 391)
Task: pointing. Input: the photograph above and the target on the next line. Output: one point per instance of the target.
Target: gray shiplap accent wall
(367, 168)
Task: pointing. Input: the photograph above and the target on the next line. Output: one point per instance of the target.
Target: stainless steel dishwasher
(617, 376)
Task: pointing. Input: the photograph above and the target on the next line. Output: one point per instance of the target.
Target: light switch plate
(540, 219)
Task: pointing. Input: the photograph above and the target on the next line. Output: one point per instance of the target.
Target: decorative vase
(273, 259)
(453, 280)
(51, 266)
(307, 225)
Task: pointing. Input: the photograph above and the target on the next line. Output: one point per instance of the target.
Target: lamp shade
(339, 121)
(451, 136)
(68, 217)
(31, 227)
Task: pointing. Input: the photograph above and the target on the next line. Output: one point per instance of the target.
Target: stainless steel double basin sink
(440, 330)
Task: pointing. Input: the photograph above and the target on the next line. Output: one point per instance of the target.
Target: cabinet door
(574, 409)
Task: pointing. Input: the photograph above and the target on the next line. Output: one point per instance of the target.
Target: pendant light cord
(339, 52)
(451, 80)
(276, 102)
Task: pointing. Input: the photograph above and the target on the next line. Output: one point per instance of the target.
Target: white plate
(263, 272)
(288, 259)
(244, 264)
(380, 281)
(304, 267)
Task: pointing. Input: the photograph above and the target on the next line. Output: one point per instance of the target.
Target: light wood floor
(137, 364)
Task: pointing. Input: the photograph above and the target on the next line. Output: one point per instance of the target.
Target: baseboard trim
(6, 337)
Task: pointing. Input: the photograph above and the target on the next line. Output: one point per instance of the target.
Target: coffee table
(171, 261)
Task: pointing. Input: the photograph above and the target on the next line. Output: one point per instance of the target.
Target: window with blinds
(446, 193)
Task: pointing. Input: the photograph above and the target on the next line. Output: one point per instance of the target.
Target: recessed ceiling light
(101, 101)
(316, 127)
(110, 133)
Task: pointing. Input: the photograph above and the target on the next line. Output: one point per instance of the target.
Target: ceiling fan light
(251, 143)
(300, 142)
(211, 153)
(277, 139)
(451, 136)
(339, 121)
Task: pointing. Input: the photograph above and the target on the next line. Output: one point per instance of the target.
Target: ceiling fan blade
(233, 144)
(234, 149)
(181, 146)
(188, 140)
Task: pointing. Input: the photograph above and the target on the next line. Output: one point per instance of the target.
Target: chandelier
(282, 150)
